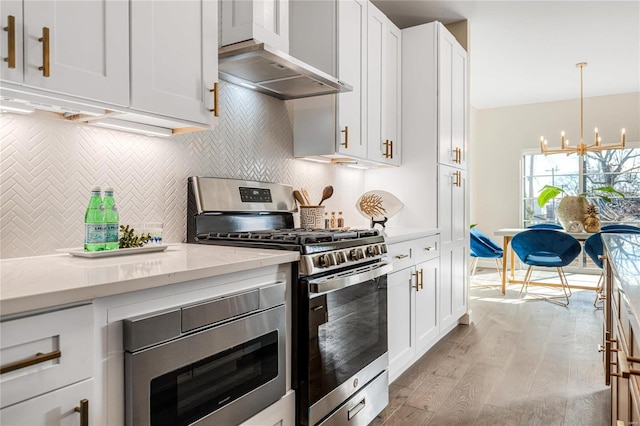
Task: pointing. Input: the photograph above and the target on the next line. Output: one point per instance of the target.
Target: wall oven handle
(324, 285)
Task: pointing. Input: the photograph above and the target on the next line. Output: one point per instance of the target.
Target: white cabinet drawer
(425, 248)
(400, 255)
(53, 409)
(65, 335)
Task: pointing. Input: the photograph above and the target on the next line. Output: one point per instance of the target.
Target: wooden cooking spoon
(327, 192)
(298, 196)
(305, 195)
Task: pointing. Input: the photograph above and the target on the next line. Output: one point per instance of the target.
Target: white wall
(48, 165)
(501, 135)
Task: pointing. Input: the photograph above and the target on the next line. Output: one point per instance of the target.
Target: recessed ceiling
(523, 52)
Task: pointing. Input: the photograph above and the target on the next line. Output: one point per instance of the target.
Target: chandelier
(581, 148)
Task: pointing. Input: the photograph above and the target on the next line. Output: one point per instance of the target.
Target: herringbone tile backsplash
(48, 166)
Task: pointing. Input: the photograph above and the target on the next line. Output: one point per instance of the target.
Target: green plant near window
(549, 192)
(574, 209)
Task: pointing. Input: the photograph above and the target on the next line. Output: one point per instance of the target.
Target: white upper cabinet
(334, 126)
(266, 21)
(70, 47)
(148, 62)
(452, 100)
(352, 68)
(11, 48)
(174, 60)
(384, 88)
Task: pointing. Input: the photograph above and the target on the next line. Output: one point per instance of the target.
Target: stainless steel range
(339, 294)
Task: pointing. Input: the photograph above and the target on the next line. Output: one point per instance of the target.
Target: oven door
(347, 336)
(221, 375)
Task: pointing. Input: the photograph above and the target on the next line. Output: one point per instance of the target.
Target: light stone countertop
(397, 235)
(30, 283)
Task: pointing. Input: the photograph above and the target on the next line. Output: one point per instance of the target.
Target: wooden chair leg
(474, 265)
(525, 282)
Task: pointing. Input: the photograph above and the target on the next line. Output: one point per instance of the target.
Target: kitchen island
(61, 329)
(622, 326)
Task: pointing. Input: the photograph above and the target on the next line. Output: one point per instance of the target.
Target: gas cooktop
(297, 236)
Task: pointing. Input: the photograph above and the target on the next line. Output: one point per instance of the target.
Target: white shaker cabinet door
(58, 408)
(427, 303)
(452, 101)
(383, 82)
(352, 68)
(11, 41)
(78, 48)
(391, 89)
(401, 317)
(174, 58)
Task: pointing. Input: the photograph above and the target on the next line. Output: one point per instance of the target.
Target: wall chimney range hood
(259, 67)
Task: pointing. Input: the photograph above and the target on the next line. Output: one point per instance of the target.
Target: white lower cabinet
(63, 407)
(47, 367)
(427, 304)
(401, 316)
(412, 297)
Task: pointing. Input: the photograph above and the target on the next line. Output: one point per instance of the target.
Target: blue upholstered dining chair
(547, 248)
(482, 247)
(545, 226)
(621, 228)
(594, 248)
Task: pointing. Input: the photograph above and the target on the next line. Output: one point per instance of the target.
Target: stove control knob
(340, 258)
(373, 251)
(383, 248)
(325, 260)
(356, 254)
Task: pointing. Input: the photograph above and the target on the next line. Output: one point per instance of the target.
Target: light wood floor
(518, 363)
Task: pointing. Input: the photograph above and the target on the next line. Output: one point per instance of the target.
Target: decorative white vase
(572, 209)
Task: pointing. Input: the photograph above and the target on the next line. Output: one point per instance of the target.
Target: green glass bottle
(94, 226)
(111, 219)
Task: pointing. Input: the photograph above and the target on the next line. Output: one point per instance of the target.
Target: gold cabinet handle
(458, 179)
(11, 41)
(37, 359)
(429, 248)
(45, 68)
(83, 409)
(458, 155)
(215, 99)
(421, 272)
(388, 149)
(417, 284)
(402, 256)
(346, 136)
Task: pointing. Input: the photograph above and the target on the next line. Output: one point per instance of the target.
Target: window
(576, 175)
(617, 168)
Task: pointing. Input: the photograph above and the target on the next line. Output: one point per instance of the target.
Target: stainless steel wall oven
(342, 332)
(217, 362)
(339, 295)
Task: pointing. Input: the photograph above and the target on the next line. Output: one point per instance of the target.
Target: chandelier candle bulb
(622, 137)
(597, 137)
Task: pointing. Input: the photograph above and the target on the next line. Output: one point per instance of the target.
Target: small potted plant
(574, 209)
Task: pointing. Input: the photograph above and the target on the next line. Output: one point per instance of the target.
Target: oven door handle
(324, 285)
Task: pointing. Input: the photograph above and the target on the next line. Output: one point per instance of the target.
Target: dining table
(507, 235)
